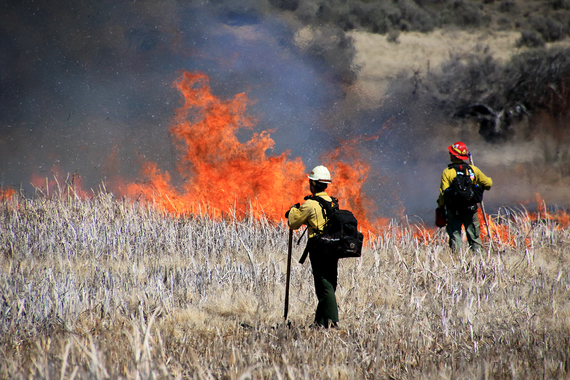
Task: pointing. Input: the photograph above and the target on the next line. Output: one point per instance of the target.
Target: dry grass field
(104, 288)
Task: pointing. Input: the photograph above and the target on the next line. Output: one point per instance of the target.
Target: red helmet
(459, 150)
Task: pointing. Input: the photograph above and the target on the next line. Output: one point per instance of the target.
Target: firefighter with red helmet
(324, 264)
(462, 214)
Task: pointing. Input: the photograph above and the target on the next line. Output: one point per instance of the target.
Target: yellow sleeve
(449, 174)
(481, 179)
(309, 213)
(446, 178)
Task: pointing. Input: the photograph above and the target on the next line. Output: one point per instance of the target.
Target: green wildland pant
(470, 220)
(325, 273)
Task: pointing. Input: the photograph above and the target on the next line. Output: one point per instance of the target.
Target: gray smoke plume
(85, 82)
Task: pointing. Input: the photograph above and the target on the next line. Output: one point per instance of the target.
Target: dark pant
(468, 219)
(325, 275)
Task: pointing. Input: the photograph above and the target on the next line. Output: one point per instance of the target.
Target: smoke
(87, 89)
(79, 81)
(82, 80)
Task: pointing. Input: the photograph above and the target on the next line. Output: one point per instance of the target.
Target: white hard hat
(320, 174)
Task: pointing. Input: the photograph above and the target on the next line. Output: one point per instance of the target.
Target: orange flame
(350, 172)
(503, 235)
(6, 193)
(224, 176)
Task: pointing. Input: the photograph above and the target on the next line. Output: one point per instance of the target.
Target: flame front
(6, 193)
(223, 176)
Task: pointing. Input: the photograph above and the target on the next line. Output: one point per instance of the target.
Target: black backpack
(340, 232)
(462, 193)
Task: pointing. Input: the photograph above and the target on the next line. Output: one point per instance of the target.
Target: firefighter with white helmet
(320, 174)
(324, 266)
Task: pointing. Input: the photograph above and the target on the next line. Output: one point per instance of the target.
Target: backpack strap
(463, 167)
(327, 207)
(466, 170)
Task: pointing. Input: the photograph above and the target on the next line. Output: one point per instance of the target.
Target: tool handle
(290, 248)
(483, 209)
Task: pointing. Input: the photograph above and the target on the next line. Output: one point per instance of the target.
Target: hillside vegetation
(494, 74)
(106, 288)
(545, 20)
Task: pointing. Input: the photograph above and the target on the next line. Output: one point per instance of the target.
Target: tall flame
(226, 178)
(350, 173)
(223, 176)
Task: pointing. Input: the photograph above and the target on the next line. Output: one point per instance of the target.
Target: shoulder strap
(459, 167)
(327, 207)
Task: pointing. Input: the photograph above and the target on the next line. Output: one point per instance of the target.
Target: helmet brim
(454, 154)
(319, 180)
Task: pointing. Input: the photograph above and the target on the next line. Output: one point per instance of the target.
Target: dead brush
(108, 288)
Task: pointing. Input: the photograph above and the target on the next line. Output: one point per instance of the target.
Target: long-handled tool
(288, 274)
(483, 211)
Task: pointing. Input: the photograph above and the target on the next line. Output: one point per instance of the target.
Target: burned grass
(105, 288)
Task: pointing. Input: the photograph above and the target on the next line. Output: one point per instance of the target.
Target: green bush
(560, 4)
(464, 14)
(419, 19)
(507, 6)
(529, 38)
(370, 18)
(540, 80)
(551, 30)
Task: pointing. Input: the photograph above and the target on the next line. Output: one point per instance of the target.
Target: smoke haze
(86, 88)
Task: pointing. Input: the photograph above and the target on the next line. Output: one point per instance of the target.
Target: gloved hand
(296, 205)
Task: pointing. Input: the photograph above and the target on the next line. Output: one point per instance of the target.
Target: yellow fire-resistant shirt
(309, 213)
(449, 174)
